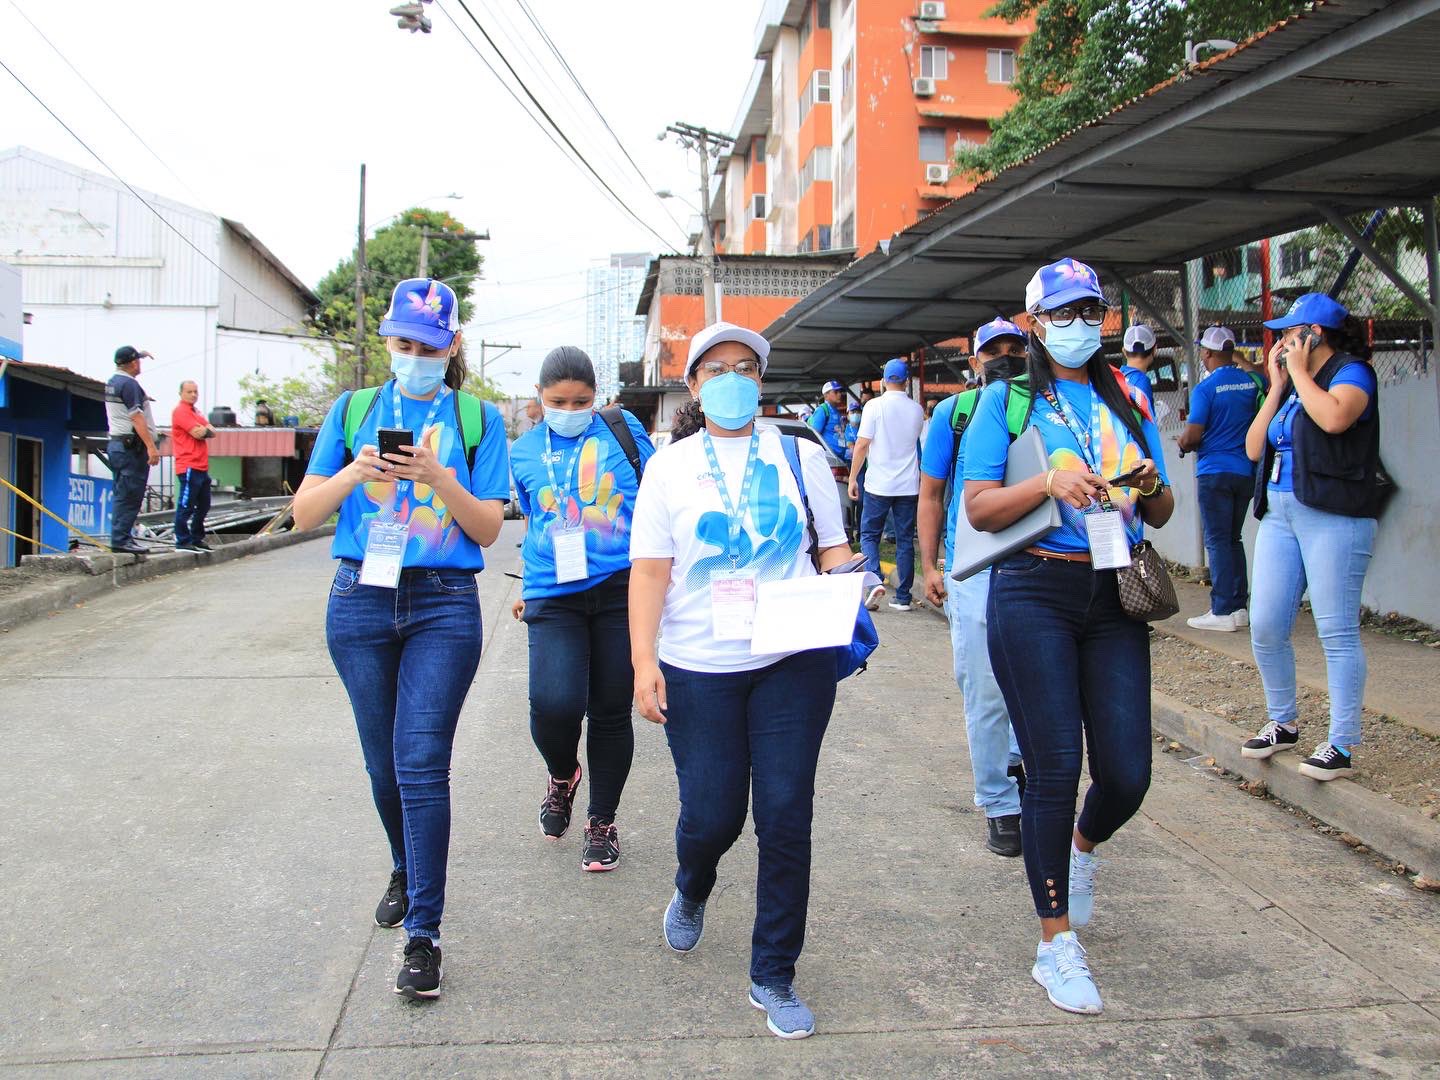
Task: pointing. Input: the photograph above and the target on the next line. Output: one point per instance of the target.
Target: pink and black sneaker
(559, 802)
(602, 846)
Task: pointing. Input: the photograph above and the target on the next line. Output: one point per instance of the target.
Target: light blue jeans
(993, 748)
(1299, 547)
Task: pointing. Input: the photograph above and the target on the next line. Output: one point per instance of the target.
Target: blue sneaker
(785, 1014)
(1061, 969)
(1082, 886)
(684, 923)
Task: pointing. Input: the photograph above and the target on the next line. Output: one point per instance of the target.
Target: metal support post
(1138, 299)
(1432, 277)
(1384, 265)
(1190, 303)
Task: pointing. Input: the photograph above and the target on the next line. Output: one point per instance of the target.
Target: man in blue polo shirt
(829, 419)
(994, 753)
(1221, 409)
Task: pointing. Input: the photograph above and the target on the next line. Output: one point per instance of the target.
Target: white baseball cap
(1139, 338)
(715, 333)
(1218, 338)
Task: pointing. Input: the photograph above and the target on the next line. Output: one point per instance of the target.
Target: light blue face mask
(568, 424)
(730, 400)
(1073, 345)
(418, 375)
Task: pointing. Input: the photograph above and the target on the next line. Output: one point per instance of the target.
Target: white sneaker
(872, 602)
(1211, 621)
(1241, 617)
(896, 605)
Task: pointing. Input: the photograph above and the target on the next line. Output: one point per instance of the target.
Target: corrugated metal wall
(241, 310)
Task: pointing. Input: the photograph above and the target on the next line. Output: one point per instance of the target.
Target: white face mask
(567, 423)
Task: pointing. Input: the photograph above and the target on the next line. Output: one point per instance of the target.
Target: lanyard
(402, 487)
(561, 493)
(1083, 441)
(1287, 411)
(735, 515)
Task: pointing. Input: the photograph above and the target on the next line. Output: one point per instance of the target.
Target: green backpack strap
(1019, 403)
(358, 407)
(962, 410)
(1259, 389)
(470, 419)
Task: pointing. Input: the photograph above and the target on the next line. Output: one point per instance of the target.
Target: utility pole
(492, 345)
(360, 289)
(426, 236)
(705, 142)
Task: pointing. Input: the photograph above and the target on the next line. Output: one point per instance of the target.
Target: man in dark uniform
(131, 448)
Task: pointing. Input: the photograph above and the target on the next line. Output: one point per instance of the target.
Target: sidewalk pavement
(192, 861)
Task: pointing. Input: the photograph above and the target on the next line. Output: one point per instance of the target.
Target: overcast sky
(264, 110)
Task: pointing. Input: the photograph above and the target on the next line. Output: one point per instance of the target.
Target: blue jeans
(407, 657)
(579, 662)
(1224, 499)
(993, 748)
(192, 503)
(734, 732)
(130, 468)
(1299, 547)
(1075, 672)
(877, 508)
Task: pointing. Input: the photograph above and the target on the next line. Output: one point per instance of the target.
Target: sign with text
(90, 504)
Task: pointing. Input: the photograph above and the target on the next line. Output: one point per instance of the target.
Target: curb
(1394, 831)
(87, 576)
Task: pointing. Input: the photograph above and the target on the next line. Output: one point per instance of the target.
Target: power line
(551, 121)
(558, 303)
(144, 201)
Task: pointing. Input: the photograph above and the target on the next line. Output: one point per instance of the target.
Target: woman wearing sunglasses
(1073, 667)
(719, 512)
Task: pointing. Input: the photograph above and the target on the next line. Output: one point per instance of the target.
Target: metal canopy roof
(1338, 109)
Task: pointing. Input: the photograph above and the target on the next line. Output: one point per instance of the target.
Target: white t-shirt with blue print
(599, 497)
(436, 541)
(679, 515)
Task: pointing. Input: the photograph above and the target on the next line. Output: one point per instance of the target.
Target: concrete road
(189, 862)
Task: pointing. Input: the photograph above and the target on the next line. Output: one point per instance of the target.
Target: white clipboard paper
(976, 550)
(814, 612)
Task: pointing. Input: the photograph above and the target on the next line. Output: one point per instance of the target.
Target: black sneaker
(420, 973)
(1018, 772)
(390, 912)
(1271, 740)
(130, 547)
(190, 545)
(201, 545)
(1004, 835)
(557, 805)
(602, 846)
(1327, 763)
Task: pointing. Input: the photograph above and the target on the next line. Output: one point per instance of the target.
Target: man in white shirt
(889, 446)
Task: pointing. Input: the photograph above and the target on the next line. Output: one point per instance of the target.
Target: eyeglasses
(711, 368)
(1093, 314)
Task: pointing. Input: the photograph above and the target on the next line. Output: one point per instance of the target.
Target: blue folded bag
(848, 658)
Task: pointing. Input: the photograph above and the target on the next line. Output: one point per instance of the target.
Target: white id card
(1109, 544)
(732, 604)
(570, 562)
(384, 554)
(1275, 470)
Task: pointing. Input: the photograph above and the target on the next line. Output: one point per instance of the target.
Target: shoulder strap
(359, 404)
(792, 455)
(1259, 389)
(962, 410)
(1019, 404)
(470, 419)
(615, 421)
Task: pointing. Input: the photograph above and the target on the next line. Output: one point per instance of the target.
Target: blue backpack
(848, 658)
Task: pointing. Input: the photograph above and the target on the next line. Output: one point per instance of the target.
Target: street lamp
(1192, 49)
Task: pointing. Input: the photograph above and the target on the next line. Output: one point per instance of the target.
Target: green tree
(1086, 57)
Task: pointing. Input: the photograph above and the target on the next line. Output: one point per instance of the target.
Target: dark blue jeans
(130, 468)
(877, 507)
(407, 657)
(1224, 499)
(579, 663)
(192, 503)
(1075, 673)
(737, 732)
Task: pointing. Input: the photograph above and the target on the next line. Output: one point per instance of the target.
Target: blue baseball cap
(996, 328)
(423, 310)
(832, 385)
(1061, 282)
(1313, 308)
(896, 370)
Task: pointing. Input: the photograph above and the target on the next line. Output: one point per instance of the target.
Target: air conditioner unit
(932, 9)
(757, 206)
(937, 174)
(924, 87)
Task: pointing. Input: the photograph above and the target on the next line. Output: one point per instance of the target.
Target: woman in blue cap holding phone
(1317, 443)
(1073, 667)
(418, 471)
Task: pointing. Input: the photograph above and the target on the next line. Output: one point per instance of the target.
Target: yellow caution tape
(83, 535)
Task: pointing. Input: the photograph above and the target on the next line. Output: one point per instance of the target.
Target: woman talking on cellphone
(403, 619)
(1317, 444)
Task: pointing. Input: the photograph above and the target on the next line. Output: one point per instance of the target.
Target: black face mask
(1003, 367)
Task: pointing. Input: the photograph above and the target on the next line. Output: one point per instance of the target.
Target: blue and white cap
(1312, 309)
(996, 328)
(423, 310)
(832, 385)
(1060, 283)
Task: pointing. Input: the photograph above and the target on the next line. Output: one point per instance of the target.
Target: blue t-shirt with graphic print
(1224, 404)
(1281, 431)
(598, 496)
(987, 444)
(436, 541)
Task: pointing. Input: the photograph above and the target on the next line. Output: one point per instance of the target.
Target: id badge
(1109, 543)
(1275, 469)
(570, 564)
(732, 605)
(384, 554)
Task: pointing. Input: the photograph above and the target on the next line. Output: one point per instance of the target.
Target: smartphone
(392, 439)
(851, 567)
(1123, 479)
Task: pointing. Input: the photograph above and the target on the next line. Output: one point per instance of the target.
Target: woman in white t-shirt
(718, 513)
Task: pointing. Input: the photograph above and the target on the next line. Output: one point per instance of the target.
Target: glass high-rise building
(613, 332)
